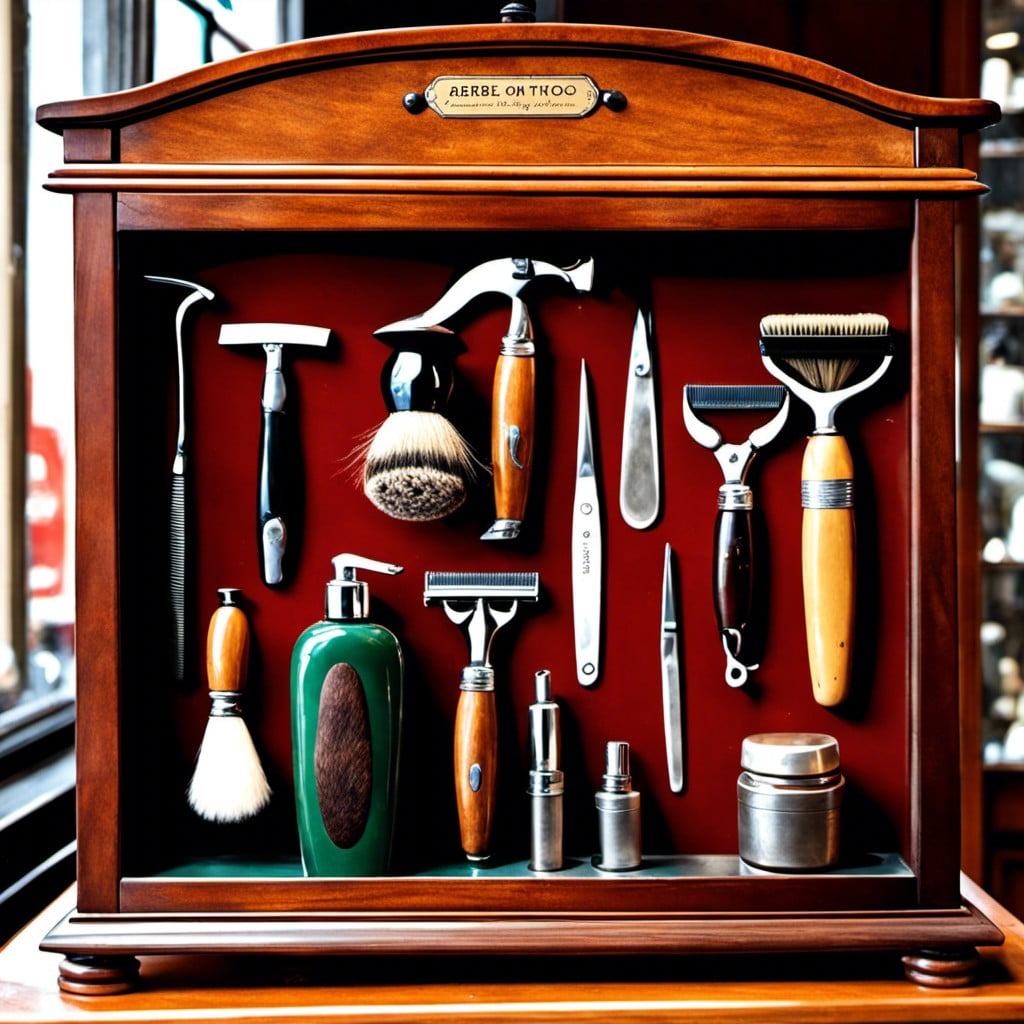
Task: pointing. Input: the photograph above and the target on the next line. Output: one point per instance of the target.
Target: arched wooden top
(570, 40)
(697, 112)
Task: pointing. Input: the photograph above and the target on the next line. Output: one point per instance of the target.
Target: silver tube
(546, 786)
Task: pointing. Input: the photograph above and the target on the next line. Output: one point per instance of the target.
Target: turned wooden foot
(82, 975)
(943, 968)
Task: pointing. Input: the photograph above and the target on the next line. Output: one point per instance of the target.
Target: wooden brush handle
(829, 573)
(512, 422)
(227, 648)
(476, 764)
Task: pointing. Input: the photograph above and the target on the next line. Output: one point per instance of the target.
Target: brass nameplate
(512, 95)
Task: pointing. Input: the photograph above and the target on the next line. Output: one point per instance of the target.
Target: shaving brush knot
(417, 466)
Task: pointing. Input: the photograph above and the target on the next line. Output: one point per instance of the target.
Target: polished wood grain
(829, 574)
(631, 43)
(629, 176)
(805, 989)
(707, 893)
(933, 634)
(476, 769)
(227, 649)
(512, 409)
(734, 211)
(99, 697)
(511, 934)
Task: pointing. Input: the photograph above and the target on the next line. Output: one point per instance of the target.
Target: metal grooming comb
(733, 571)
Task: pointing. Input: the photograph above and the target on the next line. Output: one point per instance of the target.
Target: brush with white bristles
(417, 466)
(817, 356)
(228, 784)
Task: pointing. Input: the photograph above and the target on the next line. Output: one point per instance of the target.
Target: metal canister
(789, 794)
(618, 813)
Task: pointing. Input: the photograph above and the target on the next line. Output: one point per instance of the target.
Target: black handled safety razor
(733, 567)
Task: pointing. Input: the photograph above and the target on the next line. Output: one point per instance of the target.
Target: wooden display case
(311, 183)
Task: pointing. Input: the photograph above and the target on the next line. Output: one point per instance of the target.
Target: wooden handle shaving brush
(417, 466)
(228, 784)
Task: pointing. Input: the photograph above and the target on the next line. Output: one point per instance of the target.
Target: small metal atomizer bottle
(618, 813)
(546, 780)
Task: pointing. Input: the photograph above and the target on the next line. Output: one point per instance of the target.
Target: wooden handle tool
(479, 604)
(476, 769)
(818, 357)
(512, 425)
(829, 567)
(227, 646)
(513, 415)
(229, 783)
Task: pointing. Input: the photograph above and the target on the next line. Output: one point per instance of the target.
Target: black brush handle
(733, 570)
(176, 571)
(273, 492)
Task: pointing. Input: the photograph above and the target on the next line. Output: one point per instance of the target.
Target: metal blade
(671, 691)
(639, 480)
(586, 551)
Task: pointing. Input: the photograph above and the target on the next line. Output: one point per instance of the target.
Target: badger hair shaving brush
(417, 466)
(229, 784)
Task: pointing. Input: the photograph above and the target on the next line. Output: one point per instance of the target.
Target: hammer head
(274, 334)
(507, 276)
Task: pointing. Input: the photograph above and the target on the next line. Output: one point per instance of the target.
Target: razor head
(274, 334)
(480, 603)
(474, 586)
(734, 398)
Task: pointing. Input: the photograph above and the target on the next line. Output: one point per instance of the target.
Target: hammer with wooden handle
(274, 491)
(512, 415)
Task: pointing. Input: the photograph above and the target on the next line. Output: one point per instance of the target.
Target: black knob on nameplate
(414, 102)
(519, 12)
(614, 100)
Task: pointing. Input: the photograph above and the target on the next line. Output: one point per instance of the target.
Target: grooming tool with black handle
(178, 549)
(512, 420)
(274, 498)
(417, 466)
(733, 567)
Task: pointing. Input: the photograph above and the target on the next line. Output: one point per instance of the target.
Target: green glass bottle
(347, 677)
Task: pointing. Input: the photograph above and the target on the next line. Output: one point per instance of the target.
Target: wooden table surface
(210, 987)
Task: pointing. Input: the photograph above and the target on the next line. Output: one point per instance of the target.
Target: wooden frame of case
(715, 136)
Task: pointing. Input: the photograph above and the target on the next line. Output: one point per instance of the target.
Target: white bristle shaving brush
(417, 466)
(228, 784)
